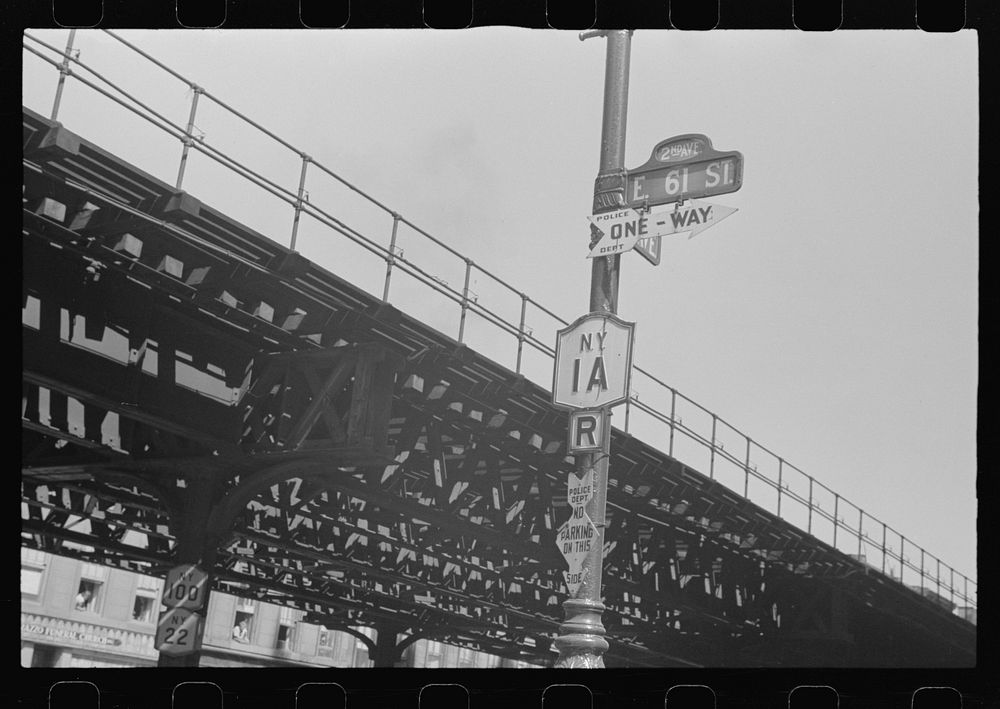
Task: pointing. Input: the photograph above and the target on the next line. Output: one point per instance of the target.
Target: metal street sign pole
(581, 642)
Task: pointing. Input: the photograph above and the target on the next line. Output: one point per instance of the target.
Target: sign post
(180, 627)
(681, 169)
(580, 641)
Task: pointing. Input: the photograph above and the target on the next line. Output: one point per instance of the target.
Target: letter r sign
(586, 430)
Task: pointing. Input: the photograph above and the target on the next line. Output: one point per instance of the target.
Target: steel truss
(358, 466)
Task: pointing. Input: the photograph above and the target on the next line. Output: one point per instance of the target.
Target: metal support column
(298, 200)
(581, 642)
(188, 140)
(465, 299)
(387, 651)
(520, 331)
(391, 258)
(64, 71)
(746, 473)
(836, 519)
(861, 530)
(196, 544)
(711, 451)
(781, 464)
(809, 524)
(673, 421)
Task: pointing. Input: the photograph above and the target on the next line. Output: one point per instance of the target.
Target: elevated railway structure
(194, 391)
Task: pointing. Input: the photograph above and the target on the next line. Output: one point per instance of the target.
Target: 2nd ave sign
(623, 229)
(683, 167)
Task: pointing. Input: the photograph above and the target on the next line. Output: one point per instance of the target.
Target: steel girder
(133, 374)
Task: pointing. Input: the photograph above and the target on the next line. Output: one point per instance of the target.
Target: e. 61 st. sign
(593, 362)
(683, 167)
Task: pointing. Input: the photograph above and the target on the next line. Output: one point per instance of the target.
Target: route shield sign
(683, 167)
(593, 362)
(178, 632)
(586, 430)
(186, 587)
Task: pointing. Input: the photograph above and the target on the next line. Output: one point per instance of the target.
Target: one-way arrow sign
(696, 216)
(622, 229)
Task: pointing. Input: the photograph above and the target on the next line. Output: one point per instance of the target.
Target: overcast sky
(833, 318)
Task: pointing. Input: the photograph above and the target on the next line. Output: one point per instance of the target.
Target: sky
(832, 318)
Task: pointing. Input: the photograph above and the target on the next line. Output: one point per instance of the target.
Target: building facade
(76, 614)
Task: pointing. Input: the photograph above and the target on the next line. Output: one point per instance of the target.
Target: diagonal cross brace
(317, 407)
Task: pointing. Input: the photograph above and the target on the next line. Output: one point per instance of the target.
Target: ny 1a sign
(593, 364)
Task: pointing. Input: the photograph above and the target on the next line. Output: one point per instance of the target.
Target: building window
(360, 648)
(144, 606)
(32, 568)
(243, 621)
(142, 609)
(89, 592)
(44, 656)
(31, 581)
(466, 658)
(434, 654)
(285, 635)
(286, 628)
(87, 595)
(325, 642)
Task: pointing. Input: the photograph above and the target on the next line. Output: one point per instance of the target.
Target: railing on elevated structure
(730, 456)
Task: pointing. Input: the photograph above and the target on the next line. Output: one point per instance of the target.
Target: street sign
(586, 430)
(695, 216)
(683, 167)
(593, 362)
(650, 248)
(580, 490)
(622, 230)
(186, 587)
(575, 538)
(578, 534)
(178, 632)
